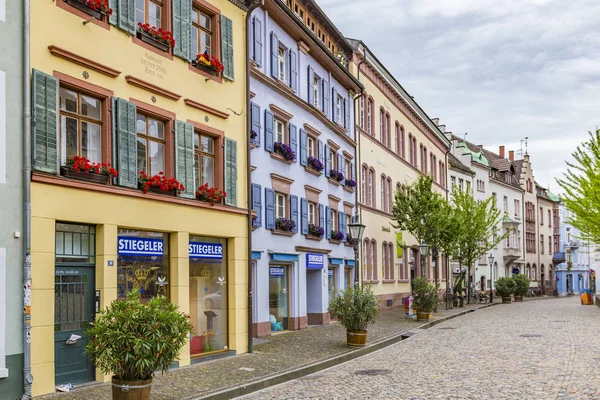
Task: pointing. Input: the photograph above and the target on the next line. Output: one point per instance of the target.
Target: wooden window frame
(361, 112)
(383, 193)
(315, 213)
(370, 119)
(315, 146)
(286, 205)
(364, 175)
(153, 139)
(166, 17)
(372, 188)
(219, 137)
(334, 160)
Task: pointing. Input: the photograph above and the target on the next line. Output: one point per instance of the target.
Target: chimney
(511, 155)
(501, 151)
(480, 146)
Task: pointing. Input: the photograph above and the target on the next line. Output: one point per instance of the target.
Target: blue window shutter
(304, 216)
(126, 16)
(325, 102)
(346, 115)
(294, 138)
(328, 161)
(184, 157)
(294, 211)
(227, 47)
(269, 122)
(124, 117)
(293, 71)
(333, 102)
(274, 56)
(255, 123)
(257, 204)
(258, 43)
(322, 216)
(303, 149)
(321, 153)
(342, 223)
(311, 94)
(269, 208)
(45, 154)
(113, 18)
(328, 223)
(231, 172)
(353, 172)
(182, 29)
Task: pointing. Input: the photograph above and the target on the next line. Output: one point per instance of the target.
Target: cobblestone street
(533, 350)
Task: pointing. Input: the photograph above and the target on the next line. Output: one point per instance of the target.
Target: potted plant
(505, 287)
(210, 195)
(284, 224)
(81, 168)
(94, 8)
(336, 175)
(337, 235)
(315, 164)
(208, 63)
(285, 150)
(160, 184)
(159, 38)
(425, 297)
(350, 182)
(315, 230)
(521, 286)
(131, 340)
(356, 308)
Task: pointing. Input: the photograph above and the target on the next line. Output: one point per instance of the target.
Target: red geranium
(98, 5)
(210, 61)
(210, 195)
(159, 34)
(160, 181)
(82, 164)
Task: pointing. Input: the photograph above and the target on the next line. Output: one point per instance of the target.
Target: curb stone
(264, 383)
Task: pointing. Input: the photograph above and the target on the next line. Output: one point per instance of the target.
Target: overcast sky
(501, 70)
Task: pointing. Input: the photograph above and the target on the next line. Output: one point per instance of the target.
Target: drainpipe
(27, 377)
(357, 273)
(251, 8)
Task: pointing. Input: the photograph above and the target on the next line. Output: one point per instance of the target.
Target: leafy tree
(581, 184)
(475, 227)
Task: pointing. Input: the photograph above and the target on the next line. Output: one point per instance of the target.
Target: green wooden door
(73, 312)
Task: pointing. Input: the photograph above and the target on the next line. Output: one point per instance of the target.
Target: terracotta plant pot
(356, 339)
(518, 299)
(506, 300)
(82, 176)
(131, 390)
(423, 316)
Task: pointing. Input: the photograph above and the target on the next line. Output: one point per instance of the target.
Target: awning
(350, 263)
(256, 255)
(336, 261)
(284, 257)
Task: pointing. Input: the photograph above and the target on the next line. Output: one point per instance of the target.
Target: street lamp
(355, 237)
(423, 250)
(491, 260)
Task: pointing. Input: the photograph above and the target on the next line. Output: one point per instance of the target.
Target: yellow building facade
(106, 90)
(397, 143)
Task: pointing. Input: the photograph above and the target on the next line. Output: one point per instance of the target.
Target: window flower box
(284, 224)
(210, 195)
(315, 164)
(337, 235)
(159, 184)
(315, 230)
(162, 40)
(80, 168)
(350, 183)
(94, 8)
(337, 175)
(285, 151)
(253, 134)
(208, 64)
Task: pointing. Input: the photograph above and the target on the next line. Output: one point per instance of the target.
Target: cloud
(501, 70)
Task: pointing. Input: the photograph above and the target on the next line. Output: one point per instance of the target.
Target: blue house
(303, 164)
(572, 275)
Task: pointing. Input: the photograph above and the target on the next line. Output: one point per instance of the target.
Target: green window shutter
(123, 114)
(45, 122)
(113, 18)
(231, 172)
(182, 28)
(126, 16)
(184, 157)
(227, 47)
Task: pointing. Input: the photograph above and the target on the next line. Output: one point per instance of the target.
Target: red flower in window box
(160, 35)
(82, 164)
(206, 61)
(210, 195)
(96, 8)
(159, 182)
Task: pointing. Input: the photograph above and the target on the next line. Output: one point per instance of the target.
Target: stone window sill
(279, 157)
(333, 182)
(315, 238)
(349, 189)
(388, 281)
(282, 233)
(313, 171)
(332, 241)
(370, 281)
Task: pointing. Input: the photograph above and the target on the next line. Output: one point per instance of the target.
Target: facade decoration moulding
(152, 88)
(280, 113)
(311, 130)
(281, 183)
(86, 62)
(210, 110)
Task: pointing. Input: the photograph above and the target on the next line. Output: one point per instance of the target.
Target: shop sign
(330, 272)
(131, 246)
(516, 271)
(206, 250)
(276, 271)
(315, 261)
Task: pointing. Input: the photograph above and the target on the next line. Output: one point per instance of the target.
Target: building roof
(476, 156)
(552, 196)
(455, 163)
(545, 193)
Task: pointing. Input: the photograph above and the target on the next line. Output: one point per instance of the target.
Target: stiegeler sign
(205, 250)
(315, 261)
(132, 246)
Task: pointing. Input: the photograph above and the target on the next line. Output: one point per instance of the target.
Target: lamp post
(355, 237)
(491, 260)
(423, 250)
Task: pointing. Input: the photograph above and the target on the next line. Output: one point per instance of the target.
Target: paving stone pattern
(532, 350)
(277, 354)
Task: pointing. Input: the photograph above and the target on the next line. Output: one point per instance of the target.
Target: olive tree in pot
(505, 287)
(356, 308)
(131, 340)
(521, 286)
(426, 297)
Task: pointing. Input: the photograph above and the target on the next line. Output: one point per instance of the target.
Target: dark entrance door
(73, 312)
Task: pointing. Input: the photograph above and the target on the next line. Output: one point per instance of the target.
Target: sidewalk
(272, 356)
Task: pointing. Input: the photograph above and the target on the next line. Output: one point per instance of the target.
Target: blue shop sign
(315, 260)
(276, 271)
(206, 250)
(516, 271)
(330, 272)
(132, 246)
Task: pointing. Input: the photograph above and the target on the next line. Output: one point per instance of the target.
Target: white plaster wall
(2, 120)
(3, 370)
(2, 10)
